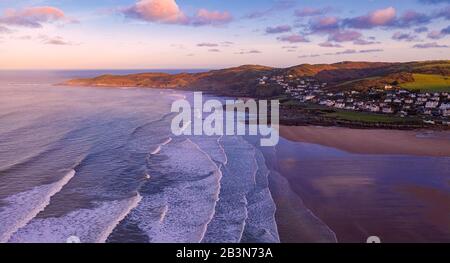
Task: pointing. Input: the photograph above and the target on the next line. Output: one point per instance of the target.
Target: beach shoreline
(295, 214)
(373, 141)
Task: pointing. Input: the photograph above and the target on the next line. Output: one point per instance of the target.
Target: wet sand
(392, 184)
(295, 222)
(425, 143)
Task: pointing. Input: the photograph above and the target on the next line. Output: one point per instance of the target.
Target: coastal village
(431, 107)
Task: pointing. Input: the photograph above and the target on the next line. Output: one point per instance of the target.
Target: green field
(428, 83)
(368, 117)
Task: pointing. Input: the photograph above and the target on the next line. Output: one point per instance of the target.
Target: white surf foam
(158, 149)
(211, 147)
(89, 225)
(133, 203)
(216, 197)
(245, 211)
(178, 96)
(261, 224)
(181, 209)
(21, 208)
(231, 213)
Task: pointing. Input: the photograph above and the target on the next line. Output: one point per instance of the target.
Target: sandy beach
(393, 184)
(423, 143)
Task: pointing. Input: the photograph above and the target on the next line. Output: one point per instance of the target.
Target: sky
(206, 34)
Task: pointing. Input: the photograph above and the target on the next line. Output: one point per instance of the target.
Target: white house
(388, 110)
(374, 108)
(339, 105)
(446, 113)
(309, 97)
(444, 106)
(431, 104)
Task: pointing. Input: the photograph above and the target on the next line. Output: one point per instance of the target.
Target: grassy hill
(243, 80)
(428, 83)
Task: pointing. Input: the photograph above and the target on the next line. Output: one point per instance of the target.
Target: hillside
(232, 81)
(428, 82)
(243, 80)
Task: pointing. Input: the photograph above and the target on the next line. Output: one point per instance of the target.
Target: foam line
(158, 149)
(90, 225)
(19, 213)
(133, 203)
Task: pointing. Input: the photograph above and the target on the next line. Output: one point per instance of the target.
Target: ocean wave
(178, 96)
(89, 225)
(220, 176)
(211, 147)
(133, 203)
(158, 149)
(231, 212)
(21, 208)
(261, 224)
(185, 190)
(151, 124)
(25, 160)
(245, 211)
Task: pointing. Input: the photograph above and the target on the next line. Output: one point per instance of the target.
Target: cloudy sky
(145, 34)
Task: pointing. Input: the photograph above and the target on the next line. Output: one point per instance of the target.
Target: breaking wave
(158, 149)
(21, 208)
(179, 201)
(90, 225)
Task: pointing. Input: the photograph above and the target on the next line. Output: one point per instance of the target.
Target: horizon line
(214, 68)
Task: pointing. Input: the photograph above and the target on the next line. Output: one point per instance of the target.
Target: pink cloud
(163, 11)
(400, 36)
(329, 44)
(33, 16)
(435, 34)
(205, 44)
(381, 17)
(293, 38)
(168, 12)
(311, 11)
(58, 41)
(248, 52)
(279, 5)
(430, 45)
(344, 36)
(278, 29)
(205, 17)
(4, 30)
(363, 42)
(411, 17)
(309, 56)
(324, 24)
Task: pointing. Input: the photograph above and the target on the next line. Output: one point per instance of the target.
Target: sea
(102, 165)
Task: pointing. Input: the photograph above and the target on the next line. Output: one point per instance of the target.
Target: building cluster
(431, 106)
